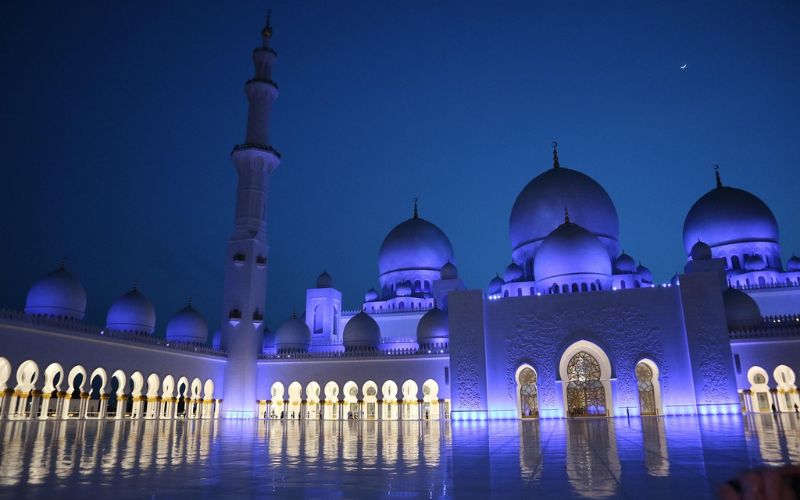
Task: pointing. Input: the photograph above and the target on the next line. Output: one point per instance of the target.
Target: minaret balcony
(261, 147)
(234, 317)
(258, 318)
(262, 80)
(239, 259)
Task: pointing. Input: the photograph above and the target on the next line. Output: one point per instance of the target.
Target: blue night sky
(117, 120)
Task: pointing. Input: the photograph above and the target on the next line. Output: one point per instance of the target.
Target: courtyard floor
(650, 457)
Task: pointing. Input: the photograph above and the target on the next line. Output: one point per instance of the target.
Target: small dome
(57, 294)
(414, 244)
(727, 215)
(571, 250)
(267, 340)
(624, 264)
(403, 289)
(293, 335)
(538, 209)
(433, 328)
(371, 295)
(755, 263)
(324, 280)
(187, 325)
(512, 273)
(793, 264)
(740, 309)
(700, 251)
(132, 312)
(362, 331)
(216, 340)
(449, 271)
(495, 285)
(645, 273)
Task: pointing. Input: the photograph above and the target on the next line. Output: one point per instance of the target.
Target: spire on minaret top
(566, 216)
(555, 155)
(716, 174)
(267, 31)
(416, 212)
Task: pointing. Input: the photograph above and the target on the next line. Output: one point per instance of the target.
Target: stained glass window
(647, 393)
(529, 405)
(586, 395)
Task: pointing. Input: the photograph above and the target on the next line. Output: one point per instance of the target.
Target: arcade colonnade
(775, 393)
(352, 401)
(55, 393)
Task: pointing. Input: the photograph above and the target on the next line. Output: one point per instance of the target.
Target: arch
(153, 385)
(119, 376)
(196, 388)
(101, 373)
(72, 378)
(313, 407)
(208, 389)
(527, 391)
(648, 387)
(759, 389)
(585, 371)
(787, 390)
(277, 408)
(5, 373)
(331, 409)
(182, 389)
(295, 391)
(350, 392)
(389, 392)
(137, 380)
(430, 400)
(167, 386)
(410, 400)
(370, 392)
(53, 377)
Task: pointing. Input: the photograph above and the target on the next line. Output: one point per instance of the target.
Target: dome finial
(416, 212)
(189, 302)
(716, 174)
(135, 285)
(555, 155)
(267, 31)
(566, 216)
(62, 265)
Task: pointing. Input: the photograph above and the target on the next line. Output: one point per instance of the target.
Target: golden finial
(555, 155)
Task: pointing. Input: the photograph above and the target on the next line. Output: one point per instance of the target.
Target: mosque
(573, 328)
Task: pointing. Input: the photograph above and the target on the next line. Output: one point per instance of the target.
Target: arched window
(622, 285)
(427, 285)
(584, 288)
(519, 292)
(574, 288)
(528, 393)
(505, 294)
(735, 262)
(417, 286)
(554, 288)
(636, 284)
(762, 281)
(586, 395)
(565, 288)
(593, 287)
(402, 305)
(647, 392)
(317, 320)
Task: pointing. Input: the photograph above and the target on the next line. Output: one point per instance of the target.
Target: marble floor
(598, 458)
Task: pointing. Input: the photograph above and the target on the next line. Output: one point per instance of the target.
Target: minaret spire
(416, 212)
(716, 174)
(566, 217)
(555, 155)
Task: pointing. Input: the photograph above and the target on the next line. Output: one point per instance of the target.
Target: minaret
(246, 263)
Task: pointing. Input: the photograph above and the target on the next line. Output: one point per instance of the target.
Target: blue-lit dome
(57, 294)
(449, 271)
(645, 273)
(539, 209)
(371, 295)
(495, 284)
(324, 280)
(414, 245)
(624, 264)
(755, 263)
(433, 328)
(267, 340)
(700, 251)
(727, 215)
(187, 325)
(293, 335)
(132, 312)
(571, 250)
(741, 310)
(512, 273)
(361, 332)
(793, 264)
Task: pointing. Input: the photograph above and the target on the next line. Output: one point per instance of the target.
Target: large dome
(293, 334)
(415, 244)
(433, 328)
(727, 215)
(741, 310)
(57, 294)
(539, 209)
(132, 312)
(361, 331)
(571, 250)
(188, 325)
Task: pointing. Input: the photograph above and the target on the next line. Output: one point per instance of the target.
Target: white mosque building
(573, 328)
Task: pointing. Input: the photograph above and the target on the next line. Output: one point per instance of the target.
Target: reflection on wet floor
(561, 458)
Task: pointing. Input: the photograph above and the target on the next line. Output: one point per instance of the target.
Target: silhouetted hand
(774, 483)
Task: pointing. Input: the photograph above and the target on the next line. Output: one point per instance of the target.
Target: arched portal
(787, 392)
(277, 407)
(648, 388)
(313, 393)
(196, 389)
(27, 374)
(389, 391)
(351, 401)
(53, 376)
(331, 410)
(430, 400)
(76, 378)
(586, 372)
(527, 392)
(370, 391)
(295, 400)
(759, 389)
(96, 405)
(410, 401)
(182, 397)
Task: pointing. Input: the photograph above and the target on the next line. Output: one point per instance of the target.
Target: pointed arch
(648, 387)
(527, 391)
(5, 373)
(585, 372)
(759, 389)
